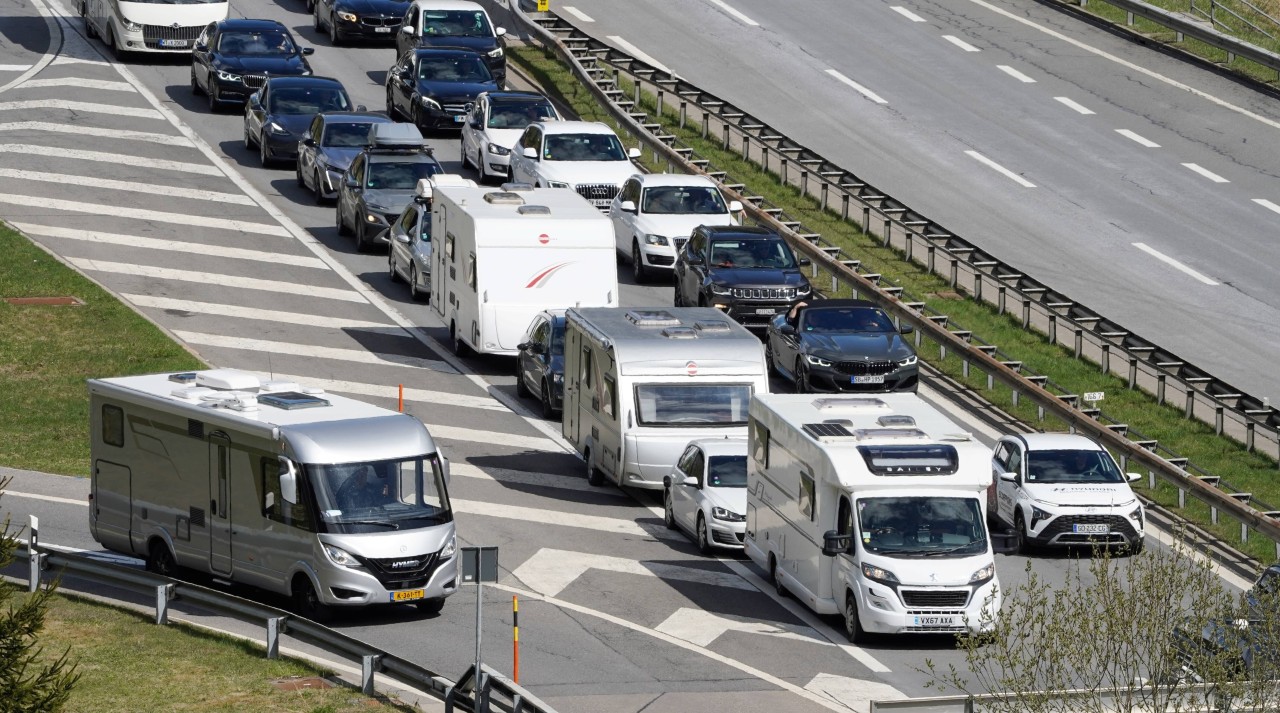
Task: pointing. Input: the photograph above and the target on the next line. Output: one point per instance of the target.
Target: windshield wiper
(935, 553)
(384, 523)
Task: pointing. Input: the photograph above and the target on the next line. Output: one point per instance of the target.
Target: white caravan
(639, 384)
(323, 498)
(504, 255)
(872, 507)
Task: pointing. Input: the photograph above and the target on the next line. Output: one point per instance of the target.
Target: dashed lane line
(1174, 263)
(1197, 168)
(735, 13)
(960, 43)
(906, 13)
(1000, 169)
(1015, 74)
(582, 16)
(639, 54)
(209, 278)
(1138, 138)
(856, 87)
(1074, 105)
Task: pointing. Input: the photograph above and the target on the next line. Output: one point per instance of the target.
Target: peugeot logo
(933, 577)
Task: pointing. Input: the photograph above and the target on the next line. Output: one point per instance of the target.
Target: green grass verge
(1250, 472)
(47, 352)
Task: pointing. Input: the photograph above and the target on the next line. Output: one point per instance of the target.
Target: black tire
(430, 607)
(852, 622)
(638, 270)
(1020, 529)
(195, 84)
(342, 226)
(668, 510)
(264, 159)
(771, 367)
(802, 377)
(318, 194)
(391, 267)
(391, 107)
(776, 577)
(215, 104)
(466, 160)
(460, 348)
(548, 409)
(416, 294)
(362, 237)
(297, 175)
(306, 603)
(1134, 548)
(676, 299)
(160, 560)
(595, 476)
(311, 7)
(89, 30)
(110, 40)
(315, 17)
(522, 389)
(334, 38)
(704, 543)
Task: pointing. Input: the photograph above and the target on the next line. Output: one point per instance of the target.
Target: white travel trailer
(872, 507)
(504, 255)
(639, 384)
(323, 498)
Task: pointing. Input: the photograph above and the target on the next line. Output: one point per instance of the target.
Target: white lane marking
(119, 159)
(264, 315)
(702, 627)
(209, 278)
(46, 498)
(125, 211)
(577, 13)
(545, 518)
(79, 82)
(549, 571)
(1015, 74)
(14, 67)
(1173, 263)
(170, 245)
(359, 356)
(491, 438)
(50, 22)
(29, 104)
(638, 54)
(1000, 169)
(960, 43)
(741, 17)
(1267, 204)
(1205, 172)
(134, 186)
(65, 59)
(1140, 139)
(906, 13)
(747, 670)
(1074, 105)
(391, 391)
(81, 130)
(857, 87)
(503, 476)
(855, 693)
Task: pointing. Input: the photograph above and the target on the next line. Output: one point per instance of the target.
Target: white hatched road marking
(239, 312)
(741, 17)
(960, 43)
(14, 67)
(701, 627)
(522, 477)
(1000, 169)
(544, 518)
(548, 572)
(358, 356)
(78, 129)
(1074, 105)
(639, 54)
(116, 158)
(1267, 204)
(1173, 263)
(493, 438)
(390, 391)
(171, 245)
(1140, 139)
(79, 82)
(67, 59)
(1205, 172)
(1015, 74)
(210, 278)
(906, 13)
(855, 693)
(577, 13)
(124, 211)
(134, 186)
(857, 87)
(91, 107)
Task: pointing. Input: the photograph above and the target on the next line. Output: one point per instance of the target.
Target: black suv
(748, 272)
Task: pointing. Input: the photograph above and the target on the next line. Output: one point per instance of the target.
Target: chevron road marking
(855, 693)
(359, 356)
(186, 248)
(89, 107)
(79, 82)
(505, 476)
(703, 627)
(493, 438)
(148, 188)
(389, 391)
(120, 159)
(549, 572)
(204, 278)
(240, 312)
(81, 130)
(126, 211)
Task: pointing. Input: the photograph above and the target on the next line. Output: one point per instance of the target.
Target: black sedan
(841, 345)
(233, 58)
(358, 19)
(540, 362)
(436, 87)
(276, 116)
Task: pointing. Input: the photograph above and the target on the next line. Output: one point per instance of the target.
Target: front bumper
(751, 314)
(380, 222)
(281, 146)
(231, 91)
(1061, 529)
(160, 39)
(823, 378)
(912, 609)
(349, 586)
(433, 118)
(729, 535)
(658, 257)
(362, 30)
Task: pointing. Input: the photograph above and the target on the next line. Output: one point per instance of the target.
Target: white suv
(655, 213)
(1063, 489)
(583, 155)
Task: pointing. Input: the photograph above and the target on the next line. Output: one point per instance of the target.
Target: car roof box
(427, 186)
(396, 136)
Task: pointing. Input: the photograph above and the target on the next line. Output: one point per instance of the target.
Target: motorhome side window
(112, 425)
(806, 496)
(471, 271)
(448, 247)
(586, 367)
(609, 398)
(294, 514)
(760, 443)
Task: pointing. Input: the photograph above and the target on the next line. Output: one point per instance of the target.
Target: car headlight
(497, 150)
(450, 547)
(132, 26)
(983, 575)
(908, 361)
(656, 239)
(1037, 515)
(495, 52)
(429, 103)
(371, 217)
(1136, 515)
(558, 378)
(816, 360)
(341, 557)
(721, 289)
(228, 76)
(557, 184)
(275, 128)
(878, 574)
(348, 16)
(726, 515)
(804, 289)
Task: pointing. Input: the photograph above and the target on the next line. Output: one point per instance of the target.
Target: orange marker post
(400, 406)
(515, 638)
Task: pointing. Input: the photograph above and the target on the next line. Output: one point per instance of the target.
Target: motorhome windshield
(692, 404)
(378, 496)
(922, 526)
(931, 459)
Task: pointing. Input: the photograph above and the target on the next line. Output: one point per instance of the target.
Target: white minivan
(150, 26)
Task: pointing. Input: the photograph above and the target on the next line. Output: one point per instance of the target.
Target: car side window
(1015, 461)
(686, 460)
(357, 170)
(1001, 456)
(316, 130)
(696, 465)
(632, 192)
(542, 333)
(697, 244)
(409, 221)
(411, 19)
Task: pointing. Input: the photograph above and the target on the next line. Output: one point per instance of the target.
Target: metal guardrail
(496, 692)
(1210, 700)
(967, 268)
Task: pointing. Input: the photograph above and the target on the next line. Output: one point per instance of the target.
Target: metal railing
(1118, 351)
(1209, 699)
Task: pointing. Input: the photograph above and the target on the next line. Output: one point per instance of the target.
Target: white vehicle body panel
(112, 20)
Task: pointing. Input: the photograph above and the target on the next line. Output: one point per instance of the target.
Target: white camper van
(639, 384)
(329, 500)
(872, 507)
(504, 255)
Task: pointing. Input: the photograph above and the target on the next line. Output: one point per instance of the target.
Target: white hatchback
(706, 493)
(655, 213)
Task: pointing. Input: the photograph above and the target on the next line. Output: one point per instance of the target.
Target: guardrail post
(706, 123)
(725, 126)
(367, 664)
(164, 592)
(866, 215)
(482, 693)
(1133, 372)
(1249, 428)
(35, 561)
(1000, 297)
(888, 231)
(1026, 312)
(1106, 358)
(804, 182)
(977, 286)
(1160, 379)
(684, 110)
(955, 273)
(908, 248)
(1217, 418)
(636, 92)
(517, 703)
(1053, 329)
(657, 114)
(273, 636)
(1191, 402)
(1079, 341)
(1182, 498)
(746, 147)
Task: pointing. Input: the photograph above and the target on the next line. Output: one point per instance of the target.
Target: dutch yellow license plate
(408, 595)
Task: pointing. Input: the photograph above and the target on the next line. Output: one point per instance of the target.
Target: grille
(935, 598)
(765, 293)
(416, 574)
(865, 368)
(379, 21)
(154, 33)
(253, 81)
(456, 108)
(600, 194)
(680, 243)
(1121, 528)
(661, 260)
(727, 538)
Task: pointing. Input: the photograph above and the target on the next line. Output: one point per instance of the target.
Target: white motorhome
(639, 384)
(323, 498)
(145, 26)
(504, 255)
(874, 508)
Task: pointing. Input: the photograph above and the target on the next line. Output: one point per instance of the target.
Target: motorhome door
(219, 503)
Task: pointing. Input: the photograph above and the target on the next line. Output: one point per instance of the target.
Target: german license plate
(870, 379)
(175, 43)
(1091, 529)
(935, 621)
(382, 29)
(765, 310)
(408, 595)
(457, 119)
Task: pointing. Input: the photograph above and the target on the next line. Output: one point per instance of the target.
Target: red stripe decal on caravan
(540, 280)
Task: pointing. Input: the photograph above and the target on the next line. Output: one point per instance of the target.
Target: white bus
(150, 25)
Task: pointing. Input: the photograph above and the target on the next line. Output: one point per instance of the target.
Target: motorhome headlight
(816, 360)
(348, 16)
(557, 184)
(450, 547)
(983, 575)
(275, 128)
(497, 150)
(496, 52)
(878, 574)
(226, 76)
(341, 557)
(908, 361)
(721, 289)
(132, 26)
(726, 515)
(651, 239)
(429, 103)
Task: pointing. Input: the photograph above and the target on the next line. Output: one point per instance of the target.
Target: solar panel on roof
(826, 430)
(290, 400)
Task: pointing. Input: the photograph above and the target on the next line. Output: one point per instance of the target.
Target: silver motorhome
(641, 383)
(328, 500)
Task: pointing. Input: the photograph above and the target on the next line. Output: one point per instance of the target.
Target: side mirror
(309, 142)
(255, 99)
(787, 329)
(202, 47)
(288, 481)
(690, 481)
(477, 124)
(406, 30)
(1009, 477)
(1004, 543)
(522, 346)
(627, 206)
(530, 153)
(905, 329)
(350, 181)
(833, 543)
(693, 258)
(735, 206)
(1133, 477)
(804, 262)
(402, 238)
(308, 51)
(499, 31)
(633, 153)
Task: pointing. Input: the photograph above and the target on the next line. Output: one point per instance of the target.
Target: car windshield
(675, 200)
(346, 135)
(922, 526)
(692, 404)
(307, 100)
(517, 115)
(584, 147)
(1072, 466)
(456, 23)
(399, 175)
(845, 320)
(453, 69)
(265, 42)
(772, 254)
(727, 471)
(383, 495)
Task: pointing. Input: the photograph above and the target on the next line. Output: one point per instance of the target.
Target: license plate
(1091, 529)
(935, 621)
(875, 379)
(175, 43)
(457, 119)
(382, 29)
(765, 310)
(408, 595)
